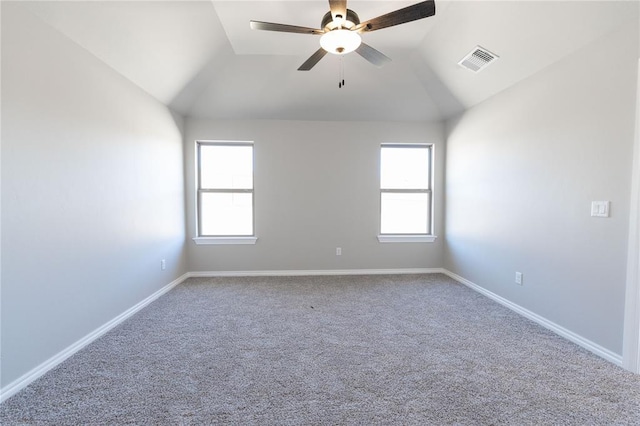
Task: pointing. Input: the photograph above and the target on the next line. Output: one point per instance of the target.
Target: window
(405, 193)
(225, 192)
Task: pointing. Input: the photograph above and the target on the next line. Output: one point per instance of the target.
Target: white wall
(92, 191)
(522, 170)
(316, 188)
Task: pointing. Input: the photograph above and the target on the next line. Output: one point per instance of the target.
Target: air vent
(478, 59)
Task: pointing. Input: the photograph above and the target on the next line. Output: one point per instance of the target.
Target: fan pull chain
(341, 74)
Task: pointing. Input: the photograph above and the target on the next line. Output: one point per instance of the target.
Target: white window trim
(224, 240)
(413, 238)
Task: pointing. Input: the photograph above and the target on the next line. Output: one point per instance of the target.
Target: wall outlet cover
(519, 278)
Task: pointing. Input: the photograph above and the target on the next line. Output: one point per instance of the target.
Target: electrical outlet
(163, 264)
(519, 278)
(338, 251)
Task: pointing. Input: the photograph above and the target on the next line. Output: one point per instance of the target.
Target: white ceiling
(202, 59)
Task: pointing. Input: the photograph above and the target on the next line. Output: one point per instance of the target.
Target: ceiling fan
(341, 28)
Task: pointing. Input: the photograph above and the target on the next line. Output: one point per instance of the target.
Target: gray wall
(93, 194)
(316, 188)
(522, 170)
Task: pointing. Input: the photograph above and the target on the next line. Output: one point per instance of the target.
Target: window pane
(227, 214)
(404, 168)
(226, 167)
(404, 213)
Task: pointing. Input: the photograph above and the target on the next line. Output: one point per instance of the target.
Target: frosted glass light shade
(340, 42)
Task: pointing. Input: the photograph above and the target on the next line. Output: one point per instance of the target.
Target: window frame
(409, 237)
(223, 239)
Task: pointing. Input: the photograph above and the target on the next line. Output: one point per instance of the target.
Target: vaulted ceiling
(202, 59)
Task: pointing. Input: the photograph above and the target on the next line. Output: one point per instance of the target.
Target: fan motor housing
(350, 21)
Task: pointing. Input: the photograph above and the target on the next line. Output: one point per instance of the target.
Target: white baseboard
(301, 273)
(23, 381)
(27, 378)
(567, 334)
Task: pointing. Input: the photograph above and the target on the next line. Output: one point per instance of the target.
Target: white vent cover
(478, 59)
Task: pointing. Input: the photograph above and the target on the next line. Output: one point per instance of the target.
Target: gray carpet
(415, 349)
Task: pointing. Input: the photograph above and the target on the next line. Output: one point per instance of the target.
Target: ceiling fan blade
(372, 55)
(313, 60)
(269, 26)
(401, 16)
(338, 7)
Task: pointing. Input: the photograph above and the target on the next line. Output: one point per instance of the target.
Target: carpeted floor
(410, 349)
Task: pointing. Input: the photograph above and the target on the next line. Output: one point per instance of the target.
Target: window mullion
(406, 191)
(227, 190)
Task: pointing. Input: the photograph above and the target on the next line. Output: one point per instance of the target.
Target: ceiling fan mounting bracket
(349, 22)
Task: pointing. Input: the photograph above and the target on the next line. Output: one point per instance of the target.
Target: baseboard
(29, 377)
(567, 334)
(23, 381)
(300, 273)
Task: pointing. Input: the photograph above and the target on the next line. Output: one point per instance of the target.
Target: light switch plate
(600, 208)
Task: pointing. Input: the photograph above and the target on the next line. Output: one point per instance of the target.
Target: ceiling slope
(269, 87)
(160, 46)
(528, 36)
(202, 59)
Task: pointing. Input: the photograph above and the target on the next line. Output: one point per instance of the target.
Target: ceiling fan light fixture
(340, 42)
(340, 30)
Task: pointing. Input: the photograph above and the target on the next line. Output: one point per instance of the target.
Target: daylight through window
(225, 189)
(405, 189)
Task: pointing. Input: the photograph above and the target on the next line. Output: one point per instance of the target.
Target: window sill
(406, 238)
(224, 240)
